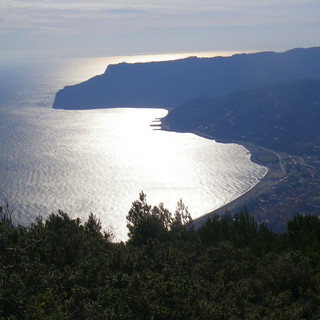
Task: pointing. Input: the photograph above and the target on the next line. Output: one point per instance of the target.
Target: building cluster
(298, 191)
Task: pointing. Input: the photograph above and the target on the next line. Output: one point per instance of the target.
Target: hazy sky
(81, 28)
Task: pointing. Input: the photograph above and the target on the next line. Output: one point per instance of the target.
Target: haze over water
(99, 160)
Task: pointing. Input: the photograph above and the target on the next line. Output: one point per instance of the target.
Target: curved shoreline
(275, 172)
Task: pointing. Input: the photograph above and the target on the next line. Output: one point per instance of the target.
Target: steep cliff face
(169, 83)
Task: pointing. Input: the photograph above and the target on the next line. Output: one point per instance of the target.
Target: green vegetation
(266, 157)
(231, 268)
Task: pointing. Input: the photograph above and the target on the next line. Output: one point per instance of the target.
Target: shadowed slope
(282, 116)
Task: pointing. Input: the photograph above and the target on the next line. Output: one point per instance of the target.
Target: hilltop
(231, 268)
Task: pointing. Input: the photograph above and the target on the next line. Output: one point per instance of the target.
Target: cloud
(35, 13)
(132, 25)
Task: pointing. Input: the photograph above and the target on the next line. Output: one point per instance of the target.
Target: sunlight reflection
(119, 155)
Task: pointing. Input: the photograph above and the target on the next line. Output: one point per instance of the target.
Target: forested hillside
(282, 117)
(231, 268)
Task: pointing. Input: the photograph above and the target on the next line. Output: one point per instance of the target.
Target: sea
(98, 161)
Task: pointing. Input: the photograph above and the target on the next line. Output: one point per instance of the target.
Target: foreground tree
(146, 222)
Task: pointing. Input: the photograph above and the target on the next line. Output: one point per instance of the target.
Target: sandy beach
(261, 156)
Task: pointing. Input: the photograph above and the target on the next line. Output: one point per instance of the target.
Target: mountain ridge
(169, 83)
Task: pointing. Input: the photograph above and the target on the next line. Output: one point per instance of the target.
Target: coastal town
(291, 186)
(295, 191)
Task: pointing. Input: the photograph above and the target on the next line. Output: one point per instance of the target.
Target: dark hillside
(282, 117)
(169, 83)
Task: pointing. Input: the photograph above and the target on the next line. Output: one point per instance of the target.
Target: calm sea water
(99, 160)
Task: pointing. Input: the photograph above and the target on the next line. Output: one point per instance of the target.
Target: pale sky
(82, 28)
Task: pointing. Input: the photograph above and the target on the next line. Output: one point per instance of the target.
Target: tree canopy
(230, 268)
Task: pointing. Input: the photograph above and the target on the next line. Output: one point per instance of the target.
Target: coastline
(261, 156)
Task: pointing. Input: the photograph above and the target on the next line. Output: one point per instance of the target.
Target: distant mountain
(282, 116)
(167, 84)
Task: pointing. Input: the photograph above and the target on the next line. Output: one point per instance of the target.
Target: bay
(98, 161)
